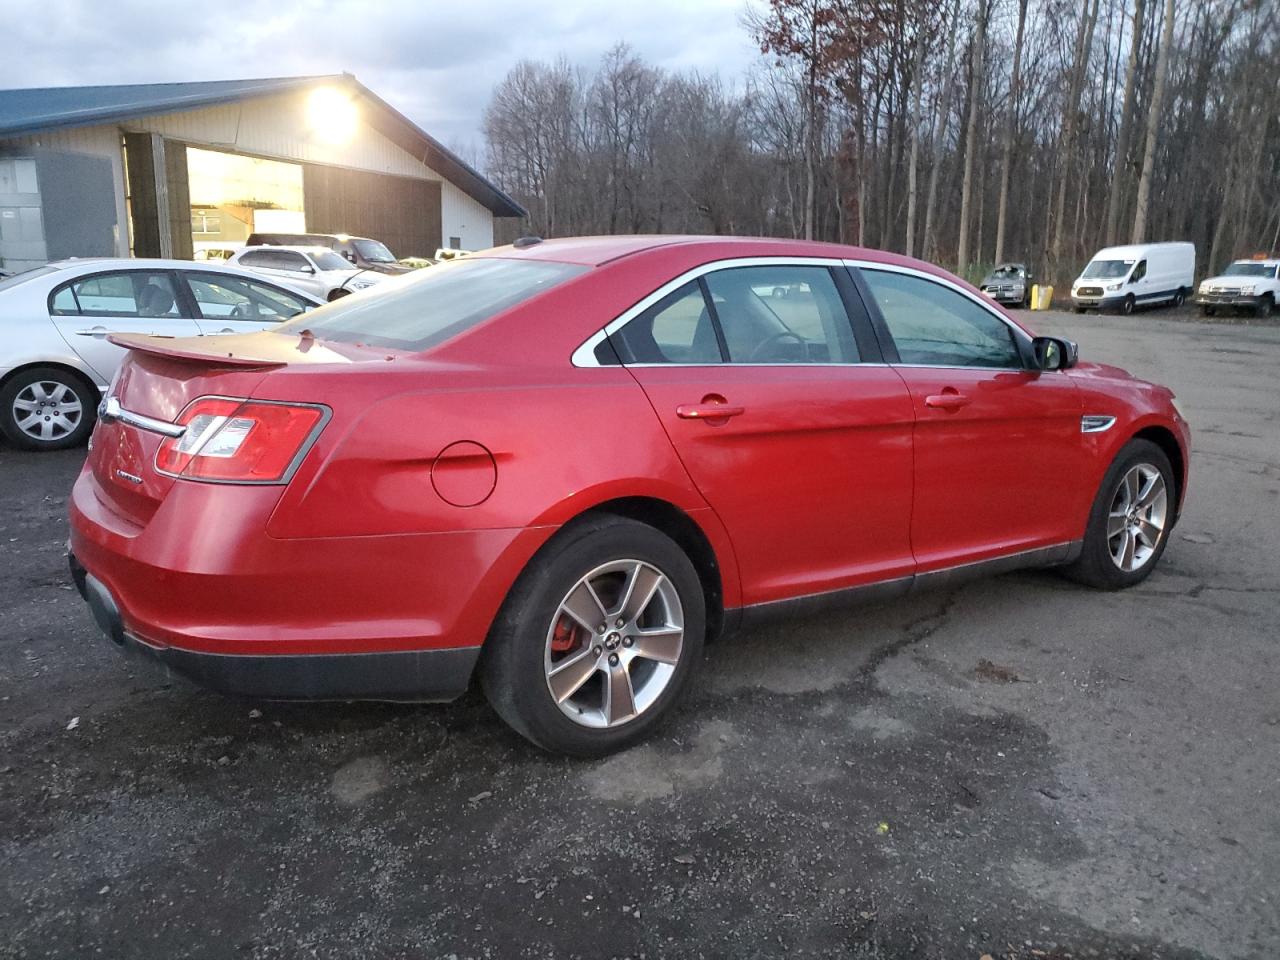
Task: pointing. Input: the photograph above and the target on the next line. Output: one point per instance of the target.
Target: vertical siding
(464, 217)
(93, 141)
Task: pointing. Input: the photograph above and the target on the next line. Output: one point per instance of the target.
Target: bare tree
(1146, 170)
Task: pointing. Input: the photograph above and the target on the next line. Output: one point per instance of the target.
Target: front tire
(1207, 311)
(1130, 520)
(598, 638)
(1264, 308)
(1127, 305)
(47, 408)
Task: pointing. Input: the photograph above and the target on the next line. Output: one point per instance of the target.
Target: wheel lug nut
(627, 641)
(613, 659)
(619, 622)
(596, 651)
(602, 628)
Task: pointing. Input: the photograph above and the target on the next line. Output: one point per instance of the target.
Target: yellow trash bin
(1041, 297)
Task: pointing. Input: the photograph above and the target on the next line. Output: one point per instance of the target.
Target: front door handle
(712, 408)
(947, 401)
(99, 332)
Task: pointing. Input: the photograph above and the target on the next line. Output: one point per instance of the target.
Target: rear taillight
(240, 441)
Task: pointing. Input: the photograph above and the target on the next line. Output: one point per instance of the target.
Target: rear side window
(238, 299)
(135, 293)
(676, 329)
(428, 307)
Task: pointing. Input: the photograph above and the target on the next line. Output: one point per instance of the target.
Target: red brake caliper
(565, 637)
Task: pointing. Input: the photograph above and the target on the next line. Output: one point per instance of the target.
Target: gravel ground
(1018, 767)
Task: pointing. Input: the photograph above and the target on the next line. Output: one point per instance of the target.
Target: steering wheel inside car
(762, 347)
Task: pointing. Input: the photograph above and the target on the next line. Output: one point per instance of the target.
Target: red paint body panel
(812, 480)
(831, 477)
(999, 474)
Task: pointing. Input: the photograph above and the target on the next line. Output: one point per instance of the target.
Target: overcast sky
(435, 60)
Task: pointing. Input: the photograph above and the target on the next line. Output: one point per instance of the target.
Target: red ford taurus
(562, 465)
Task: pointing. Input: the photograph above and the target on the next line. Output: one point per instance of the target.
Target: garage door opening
(233, 196)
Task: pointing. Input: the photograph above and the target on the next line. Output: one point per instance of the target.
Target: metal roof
(34, 110)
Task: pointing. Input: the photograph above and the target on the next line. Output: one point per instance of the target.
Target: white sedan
(55, 359)
(317, 270)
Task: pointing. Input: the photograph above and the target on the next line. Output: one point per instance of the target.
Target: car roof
(597, 251)
(1265, 261)
(296, 248)
(99, 264)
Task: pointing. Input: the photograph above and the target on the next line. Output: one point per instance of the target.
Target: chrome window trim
(585, 355)
(1018, 333)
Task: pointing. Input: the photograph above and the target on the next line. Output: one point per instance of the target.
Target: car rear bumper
(414, 675)
(373, 617)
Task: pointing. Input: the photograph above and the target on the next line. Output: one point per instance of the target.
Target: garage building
(166, 170)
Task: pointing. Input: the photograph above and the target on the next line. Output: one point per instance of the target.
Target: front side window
(933, 325)
(428, 307)
(1140, 270)
(238, 299)
(135, 293)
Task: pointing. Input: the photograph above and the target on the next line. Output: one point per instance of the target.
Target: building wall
(462, 216)
(101, 142)
(277, 128)
(402, 212)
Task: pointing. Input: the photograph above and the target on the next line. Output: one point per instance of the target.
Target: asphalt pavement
(1018, 767)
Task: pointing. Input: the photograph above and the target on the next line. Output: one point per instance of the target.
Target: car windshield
(1245, 268)
(1008, 272)
(328, 260)
(1107, 269)
(17, 278)
(429, 307)
(373, 251)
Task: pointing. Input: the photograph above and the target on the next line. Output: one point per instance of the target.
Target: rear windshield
(328, 260)
(428, 307)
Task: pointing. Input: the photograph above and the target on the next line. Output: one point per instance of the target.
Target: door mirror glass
(1054, 353)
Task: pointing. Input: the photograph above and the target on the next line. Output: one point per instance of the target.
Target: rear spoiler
(195, 349)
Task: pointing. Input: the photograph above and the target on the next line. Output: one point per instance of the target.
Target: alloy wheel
(47, 410)
(614, 643)
(1136, 520)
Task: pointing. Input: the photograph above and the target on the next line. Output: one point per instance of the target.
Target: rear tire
(628, 677)
(47, 408)
(1180, 298)
(1118, 549)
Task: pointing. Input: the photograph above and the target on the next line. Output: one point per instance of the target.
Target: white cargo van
(1140, 275)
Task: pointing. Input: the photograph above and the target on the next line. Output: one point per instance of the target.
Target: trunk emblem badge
(131, 477)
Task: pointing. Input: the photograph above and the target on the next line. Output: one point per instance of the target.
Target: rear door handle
(98, 332)
(947, 401)
(708, 411)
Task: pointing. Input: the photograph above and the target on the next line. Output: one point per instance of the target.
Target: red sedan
(563, 465)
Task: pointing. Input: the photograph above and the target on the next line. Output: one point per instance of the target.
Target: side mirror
(1054, 353)
(307, 269)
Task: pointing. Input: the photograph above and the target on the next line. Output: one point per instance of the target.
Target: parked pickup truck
(1252, 285)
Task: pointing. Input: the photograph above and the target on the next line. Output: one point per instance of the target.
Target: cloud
(435, 62)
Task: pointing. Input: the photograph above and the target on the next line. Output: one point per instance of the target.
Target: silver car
(317, 270)
(55, 359)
